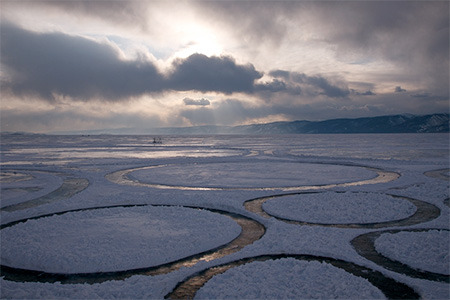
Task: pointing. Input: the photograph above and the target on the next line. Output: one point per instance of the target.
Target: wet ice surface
(229, 161)
(259, 174)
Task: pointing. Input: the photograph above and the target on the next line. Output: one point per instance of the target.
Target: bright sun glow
(204, 47)
(206, 44)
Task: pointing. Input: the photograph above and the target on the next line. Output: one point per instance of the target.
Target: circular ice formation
(288, 278)
(340, 208)
(113, 239)
(258, 174)
(427, 251)
(24, 185)
(12, 176)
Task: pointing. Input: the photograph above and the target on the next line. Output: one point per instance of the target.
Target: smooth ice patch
(121, 153)
(428, 251)
(20, 186)
(340, 208)
(250, 174)
(288, 278)
(114, 239)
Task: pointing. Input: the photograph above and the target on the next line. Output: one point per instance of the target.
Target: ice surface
(251, 174)
(427, 251)
(288, 279)
(240, 161)
(113, 239)
(340, 208)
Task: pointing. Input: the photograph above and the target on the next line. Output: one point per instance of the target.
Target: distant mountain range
(405, 123)
(385, 124)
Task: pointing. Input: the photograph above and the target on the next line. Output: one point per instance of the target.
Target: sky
(89, 65)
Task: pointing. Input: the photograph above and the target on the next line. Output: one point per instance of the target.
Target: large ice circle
(113, 239)
(257, 174)
(426, 251)
(13, 176)
(340, 208)
(288, 278)
(23, 185)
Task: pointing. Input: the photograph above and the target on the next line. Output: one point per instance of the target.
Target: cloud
(366, 93)
(49, 64)
(199, 102)
(248, 19)
(45, 64)
(328, 89)
(218, 74)
(126, 13)
(296, 83)
(226, 112)
(421, 95)
(275, 86)
(398, 89)
(412, 36)
(55, 64)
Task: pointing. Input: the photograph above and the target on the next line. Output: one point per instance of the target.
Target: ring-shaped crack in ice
(248, 176)
(70, 186)
(424, 211)
(392, 289)
(250, 232)
(365, 246)
(442, 174)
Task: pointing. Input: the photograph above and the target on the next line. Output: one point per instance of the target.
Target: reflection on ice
(119, 153)
(124, 177)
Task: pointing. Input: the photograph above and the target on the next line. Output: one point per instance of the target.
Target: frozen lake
(158, 217)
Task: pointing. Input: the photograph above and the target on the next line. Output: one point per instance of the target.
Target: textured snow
(428, 251)
(93, 157)
(340, 208)
(113, 239)
(288, 278)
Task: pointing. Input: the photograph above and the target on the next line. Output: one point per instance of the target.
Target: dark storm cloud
(45, 64)
(294, 83)
(275, 86)
(219, 74)
(328, 89)
(366, 93)
(199, 102)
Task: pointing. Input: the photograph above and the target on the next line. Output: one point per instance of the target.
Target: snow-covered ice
(340, 208)
(288, 278)
(113, 239)
(428, 251)
(94, 238)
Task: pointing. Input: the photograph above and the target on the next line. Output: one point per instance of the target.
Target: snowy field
(121, 217)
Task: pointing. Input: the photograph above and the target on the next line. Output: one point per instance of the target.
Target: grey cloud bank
(200, 102)
(46, 64)
(162, 61)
